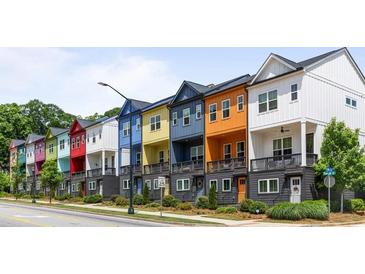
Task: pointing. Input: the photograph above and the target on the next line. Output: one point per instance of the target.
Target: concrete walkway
(250, 222)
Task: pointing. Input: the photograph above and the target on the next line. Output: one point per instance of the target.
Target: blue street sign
(329, 171)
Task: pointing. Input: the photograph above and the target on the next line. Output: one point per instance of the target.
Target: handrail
(188, 166)
(227, 164)
(282, 161)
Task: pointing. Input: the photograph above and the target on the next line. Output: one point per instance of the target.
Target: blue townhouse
(124, 130)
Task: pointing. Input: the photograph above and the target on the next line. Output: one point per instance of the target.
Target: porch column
(303, 132)
(103, 162)
(116, 163)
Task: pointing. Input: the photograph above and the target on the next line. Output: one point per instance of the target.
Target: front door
(199, 187)
(295, 189)
(139, 185)
(101, 187)
(241, 189)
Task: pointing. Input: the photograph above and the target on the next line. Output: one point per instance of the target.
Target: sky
(68, 77)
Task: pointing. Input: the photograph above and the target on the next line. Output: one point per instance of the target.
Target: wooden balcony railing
(124, 170)
(156, 168)
(97, 172)
(66, 174)
(188, 166)
(109, 171)
(226, 165)
(78, 174)
(282, 162)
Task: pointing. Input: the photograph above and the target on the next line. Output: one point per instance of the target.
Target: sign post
(329, 181)
(161, 184)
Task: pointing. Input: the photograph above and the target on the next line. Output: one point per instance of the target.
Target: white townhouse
(290, 103)
(102, 157)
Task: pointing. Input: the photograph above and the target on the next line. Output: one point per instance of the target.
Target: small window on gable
(174, 118)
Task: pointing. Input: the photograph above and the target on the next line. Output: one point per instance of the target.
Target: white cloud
(65, 78)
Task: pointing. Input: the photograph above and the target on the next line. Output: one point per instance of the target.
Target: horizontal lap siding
(223, 198)
(155, 194)
(185, 196)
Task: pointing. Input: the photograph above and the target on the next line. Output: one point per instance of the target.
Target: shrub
(152, 205)
(40, 195)
(138, 199)
(27, 196)
(203, 202)
(76, 199)
(292, 211)
(212, 198)
(226, 210)
(357, 205)
(257, 205)
(121, 201)
(170, 201)
(245, 204)
(63, 197)
(113, 197)
(4, 194)
(18, 195)
(185, 206)
(93, 199)
(146, 194)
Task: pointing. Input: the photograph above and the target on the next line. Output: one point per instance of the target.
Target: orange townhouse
(226, 139)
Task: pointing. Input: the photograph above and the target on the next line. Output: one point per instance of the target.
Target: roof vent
(210, 85)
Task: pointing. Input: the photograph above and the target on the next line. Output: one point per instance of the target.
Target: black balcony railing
(188, 166)
(78, 174)
(96, 172)
(66, 174)
(109, 171)
(156, 168)
(124, 170)
(226, 165)
(282, 162)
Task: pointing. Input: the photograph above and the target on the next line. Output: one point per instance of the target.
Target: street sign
(330, 171)
(329, 181)
(161, 182)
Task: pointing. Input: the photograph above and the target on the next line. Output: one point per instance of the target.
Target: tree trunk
(50, 195)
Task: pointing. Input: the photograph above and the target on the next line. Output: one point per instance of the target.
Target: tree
(212, 197)
(146, 194)
(17, 178)
(112, 112)
(51, 177)
(4, 182)
(341, 150)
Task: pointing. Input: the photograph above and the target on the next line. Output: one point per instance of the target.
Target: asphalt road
(16, 215)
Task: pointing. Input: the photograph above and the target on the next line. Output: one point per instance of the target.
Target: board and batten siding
(272, 69)
(61, 153)
(108, 140)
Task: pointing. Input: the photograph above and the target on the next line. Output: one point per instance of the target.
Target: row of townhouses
(255, 136)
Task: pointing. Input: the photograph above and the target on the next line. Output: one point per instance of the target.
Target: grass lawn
(169, 220)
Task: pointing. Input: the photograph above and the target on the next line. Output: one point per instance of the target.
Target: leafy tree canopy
(51, 177)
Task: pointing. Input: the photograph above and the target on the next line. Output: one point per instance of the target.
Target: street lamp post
(33, 185)
(130, 209)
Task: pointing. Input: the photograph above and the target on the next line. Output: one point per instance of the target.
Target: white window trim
(244, 148)
(196, 112)
(148, 183)
(229, 109)
(230, 150)
(138, 125)
(140, 155)
(159, 158)
(127, 129)
(243, 103)
(128, 184)
(155, 123)
(173, 119)
(216, 183)
(92, 185)
(182, 184)
(230, 185)
(291, 92)
(351, 100)
(155, 184)
(282, 144)
(268, 186)
(216, 110)
(267, 102)
(197, 155)
(183, 118)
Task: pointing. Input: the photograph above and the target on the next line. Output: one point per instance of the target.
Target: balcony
(66, 174)
(137, 170)
(78, 174)
(97, 172)
(232, 164)
(156, 168)
(196, 166)
(109, 171)
(282, 162)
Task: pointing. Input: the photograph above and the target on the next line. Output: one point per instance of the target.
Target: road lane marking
(30, 216)
(27, 221)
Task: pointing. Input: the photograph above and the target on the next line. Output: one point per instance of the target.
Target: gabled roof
(136, 106)
(296, 66)
(84, 123)
(54, 131)
(33, 138)
(16, 143)
(243, 79)
(197, 88)
(102, 120)
(162, 102)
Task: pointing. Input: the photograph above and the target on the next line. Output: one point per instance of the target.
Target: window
(155, 184)
(92, 185)
(226, 185)
(182, 184)
(198, 111)
(282, 146)
(174, 118)
(83, 139)
(113, 161)
(351, 102)
(138, 124)
(126, 129)
(62, 186)
(62, 144)
(212, 112)
(106, 163)
(225, 108)
(241, 150)
(227, 151)
(99, 133)
(240, 103)
(309, 143)
(197, 153)
(268, 101)
(50, 148)
(186, 116)
(126, 184)
(294, 92)
(215, 183)
(94, 138)
(161, 156)
(87, 138)
(155, 123)
(268, 186)
(77, 186)
(138, 158)
(73, 187)
(148, 183)
(68, 141)
(77, 141)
